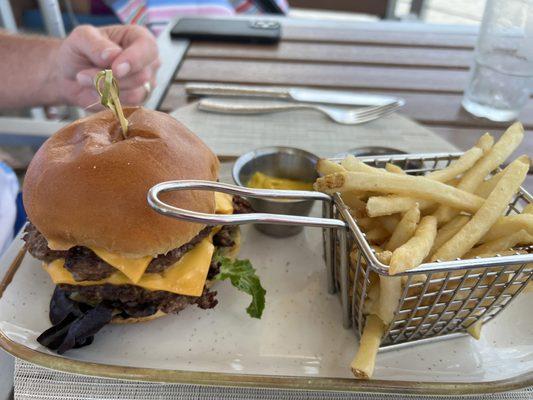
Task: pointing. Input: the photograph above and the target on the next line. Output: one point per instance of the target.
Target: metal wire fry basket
(437, 299)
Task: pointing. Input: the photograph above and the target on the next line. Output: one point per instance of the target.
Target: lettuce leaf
(242, 275)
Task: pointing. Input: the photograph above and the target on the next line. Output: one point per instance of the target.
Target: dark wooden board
(322, 74)
(345, 53)
(421, 38)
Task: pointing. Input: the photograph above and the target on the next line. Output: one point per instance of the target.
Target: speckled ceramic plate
(298, 343)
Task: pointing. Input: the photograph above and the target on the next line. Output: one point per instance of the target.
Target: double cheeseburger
(111, 257)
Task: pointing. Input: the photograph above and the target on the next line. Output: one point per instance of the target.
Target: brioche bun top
(87, 185)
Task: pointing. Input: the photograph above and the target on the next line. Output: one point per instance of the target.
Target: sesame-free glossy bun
(87, 185)
(136, 320)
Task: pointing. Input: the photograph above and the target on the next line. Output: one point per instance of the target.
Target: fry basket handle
(239, 219)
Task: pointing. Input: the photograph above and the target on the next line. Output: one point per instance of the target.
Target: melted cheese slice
(133, 268)
(186, 277)
(223, 203)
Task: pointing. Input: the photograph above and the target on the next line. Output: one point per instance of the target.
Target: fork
(338, 114)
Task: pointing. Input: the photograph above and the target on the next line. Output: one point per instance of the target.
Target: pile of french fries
(449, 214)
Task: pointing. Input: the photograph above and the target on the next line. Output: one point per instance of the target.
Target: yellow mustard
(262, 181)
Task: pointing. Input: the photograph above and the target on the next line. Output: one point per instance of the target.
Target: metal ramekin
(283, 162)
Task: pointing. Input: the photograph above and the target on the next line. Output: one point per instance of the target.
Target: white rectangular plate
(300, 334)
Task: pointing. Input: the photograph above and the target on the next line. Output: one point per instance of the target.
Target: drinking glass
(500, 77)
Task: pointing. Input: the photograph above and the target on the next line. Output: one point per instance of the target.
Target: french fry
(384, 256)
(394, 169)
(500, 244)
(372, 300)
(454, 182)
(505, 226)
(351, 163)
(474, 329)
(448, 231)
(377, 234)
(386, 205)
(393, 204)
(352, 199)
(457, 167)
(507, 144)
(406, 185)
(488, 185)
(485, 142)
(411, 254)
(389, 222)
(390, 291)
(528, 209)
(367, 223)
(365, 360)
(326, 167)
(405, 229)
(487, 215)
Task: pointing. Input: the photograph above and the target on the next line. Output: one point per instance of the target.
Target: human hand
(129, 50)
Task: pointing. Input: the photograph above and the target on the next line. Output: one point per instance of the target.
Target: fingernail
(84, 80)
(106, 54)
(123, 69)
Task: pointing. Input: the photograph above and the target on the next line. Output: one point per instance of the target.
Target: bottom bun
(132, 320)
(230, 252)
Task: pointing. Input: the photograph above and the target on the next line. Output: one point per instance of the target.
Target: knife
(305, 95)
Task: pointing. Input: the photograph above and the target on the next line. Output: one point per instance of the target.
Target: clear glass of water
(501, 75)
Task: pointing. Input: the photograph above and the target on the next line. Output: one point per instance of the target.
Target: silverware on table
(305, 95)
(348, 116)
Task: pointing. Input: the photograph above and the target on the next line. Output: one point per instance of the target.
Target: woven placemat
(232, 135)
(32, 382)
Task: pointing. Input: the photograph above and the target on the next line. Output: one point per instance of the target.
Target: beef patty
(85, 265)
(135, 301)
(75, 322)
(79, 312)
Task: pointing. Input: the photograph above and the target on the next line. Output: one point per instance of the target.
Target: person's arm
(27, 71)
(46, 71)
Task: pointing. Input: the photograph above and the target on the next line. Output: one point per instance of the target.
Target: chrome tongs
(240, 219)
(335, 263)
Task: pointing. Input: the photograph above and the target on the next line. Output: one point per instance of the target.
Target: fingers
(137, 95)
(139, 51)
(86, 78)
(93, 44)
(136, 80)
(133, 97)
(89, 99)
